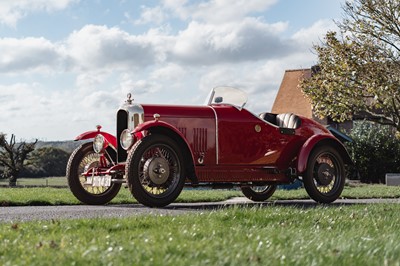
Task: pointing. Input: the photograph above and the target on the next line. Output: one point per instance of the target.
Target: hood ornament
(129, 100)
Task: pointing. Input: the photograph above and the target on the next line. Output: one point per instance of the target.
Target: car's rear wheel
(258, 193)
(94, 190)
(325, 175)
(155, 171)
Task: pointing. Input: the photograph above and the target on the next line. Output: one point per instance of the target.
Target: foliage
(69, 146)
(375, 151)
(47, 161)
(12, 156)
(272, 235)
(358, 72)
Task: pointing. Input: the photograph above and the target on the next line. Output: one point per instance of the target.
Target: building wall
(290, 99)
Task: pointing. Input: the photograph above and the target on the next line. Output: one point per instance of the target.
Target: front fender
(151, 124)
(316, 140)
(112, 140)
(162, 127)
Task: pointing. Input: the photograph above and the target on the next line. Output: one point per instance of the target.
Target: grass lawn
(63, 196)
(273, 235)
(45, 181)
(269, 235)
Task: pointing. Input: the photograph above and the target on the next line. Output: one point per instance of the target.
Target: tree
(12, 157)
(48, 161)
(358, 69)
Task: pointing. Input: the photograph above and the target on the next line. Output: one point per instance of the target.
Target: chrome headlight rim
(98, 143)
(126, 139)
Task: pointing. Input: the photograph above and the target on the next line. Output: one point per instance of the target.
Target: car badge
(257, 128)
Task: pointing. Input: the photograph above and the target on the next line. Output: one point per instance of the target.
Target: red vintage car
(159, 149)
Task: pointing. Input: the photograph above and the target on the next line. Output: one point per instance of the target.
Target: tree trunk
(12, 180)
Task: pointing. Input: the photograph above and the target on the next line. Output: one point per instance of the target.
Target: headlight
(126, 139)
(98, 143)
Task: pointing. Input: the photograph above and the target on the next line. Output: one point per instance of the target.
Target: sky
(67, 65)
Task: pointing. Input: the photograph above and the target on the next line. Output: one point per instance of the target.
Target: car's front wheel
(325, 175)
(155, 171)
(258, 193)
(94, 190)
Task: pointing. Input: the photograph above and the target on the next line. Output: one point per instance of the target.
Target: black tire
(84, 156)
(325, 175)
(155, 171)
(258, 193)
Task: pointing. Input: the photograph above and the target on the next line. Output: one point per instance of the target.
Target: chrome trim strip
(216, 135)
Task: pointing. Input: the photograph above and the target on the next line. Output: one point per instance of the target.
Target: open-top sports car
(158, 149)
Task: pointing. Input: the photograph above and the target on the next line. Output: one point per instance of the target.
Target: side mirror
(218, 99)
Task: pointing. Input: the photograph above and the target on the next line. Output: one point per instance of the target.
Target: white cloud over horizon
(11, 11)
(217, 43)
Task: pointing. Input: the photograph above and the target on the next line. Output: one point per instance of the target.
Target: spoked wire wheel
(155, 171)
(325, 175)
(258, 193)
(89, 189)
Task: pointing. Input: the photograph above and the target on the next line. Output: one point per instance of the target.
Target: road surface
(29, 213)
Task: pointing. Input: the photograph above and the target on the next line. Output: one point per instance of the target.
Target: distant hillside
(68, 146)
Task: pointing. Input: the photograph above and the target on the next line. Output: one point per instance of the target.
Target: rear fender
(110, 139)
(317, 140)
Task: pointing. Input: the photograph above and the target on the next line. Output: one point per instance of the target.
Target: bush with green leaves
(375, 151)
(46, 161)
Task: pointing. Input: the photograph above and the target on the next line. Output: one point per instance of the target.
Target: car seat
(288, 120)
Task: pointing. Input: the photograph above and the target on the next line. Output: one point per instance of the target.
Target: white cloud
(153, 15)
(170, 72)
(315, 33)
(33, 54)
(222, 11)
(223, 47)
(216, 11)
(137, 86)
(28, 109)
(249, 39)
(90, 80)
(177, 7)
(11, 11)
(97, 47)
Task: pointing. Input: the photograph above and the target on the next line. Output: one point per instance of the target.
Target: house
(290, 99)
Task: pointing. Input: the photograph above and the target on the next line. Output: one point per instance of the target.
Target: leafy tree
(12, 157)
(48, 161)
(358, 69)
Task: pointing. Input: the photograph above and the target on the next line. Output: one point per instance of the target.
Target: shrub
(375, 151)
(46, 161)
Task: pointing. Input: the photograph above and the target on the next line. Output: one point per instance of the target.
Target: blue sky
(67, 65)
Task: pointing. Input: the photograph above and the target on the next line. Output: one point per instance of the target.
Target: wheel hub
(157, 170)
(325, 174)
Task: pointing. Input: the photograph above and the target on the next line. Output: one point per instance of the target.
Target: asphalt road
(31, 213)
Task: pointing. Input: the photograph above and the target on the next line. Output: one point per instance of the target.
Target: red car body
(219, 144)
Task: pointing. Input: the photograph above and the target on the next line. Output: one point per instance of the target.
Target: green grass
(63, 196)
(45, 181)
(361, 191)
(271, 235)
